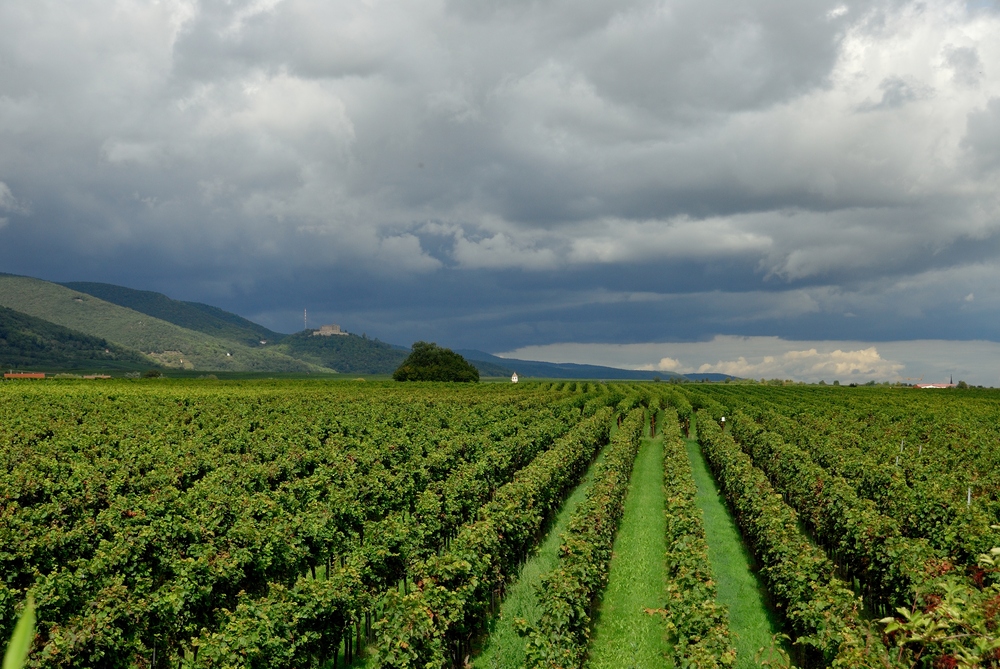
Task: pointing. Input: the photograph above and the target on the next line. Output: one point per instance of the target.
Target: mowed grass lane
(504, 648)
(750, 619)
(625, 636)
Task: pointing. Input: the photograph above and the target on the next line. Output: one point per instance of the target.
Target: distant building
(513, 377)
(24, 375)
(329, 331)
(96, 376)
(933, 385)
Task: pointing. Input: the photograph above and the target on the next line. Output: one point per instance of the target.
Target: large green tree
(430, 362)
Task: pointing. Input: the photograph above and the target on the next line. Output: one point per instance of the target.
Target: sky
(787, 189)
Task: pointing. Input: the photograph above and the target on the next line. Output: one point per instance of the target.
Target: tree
(430, 362)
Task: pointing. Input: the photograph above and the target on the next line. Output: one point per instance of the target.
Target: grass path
(750, 619)
(625, 636)
(504, 649)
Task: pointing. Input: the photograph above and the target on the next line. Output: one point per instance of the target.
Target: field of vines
(873, 512)
(181, 524)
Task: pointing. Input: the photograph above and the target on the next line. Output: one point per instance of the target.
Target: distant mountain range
(103, 327)
(560, 370)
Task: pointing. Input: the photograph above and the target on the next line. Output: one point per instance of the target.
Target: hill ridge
(30, 343)
(196, 316)
(160, 341)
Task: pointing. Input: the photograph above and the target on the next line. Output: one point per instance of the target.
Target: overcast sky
(509, 174)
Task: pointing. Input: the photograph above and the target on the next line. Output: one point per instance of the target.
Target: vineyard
(548, 525)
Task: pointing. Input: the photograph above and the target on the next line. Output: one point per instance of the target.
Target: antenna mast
(305, 319)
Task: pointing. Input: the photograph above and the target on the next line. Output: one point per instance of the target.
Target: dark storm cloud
(502, 174)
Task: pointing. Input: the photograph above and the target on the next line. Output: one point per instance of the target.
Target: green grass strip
(625, 636)
(750, 620)
(562, 638)
(504, 648)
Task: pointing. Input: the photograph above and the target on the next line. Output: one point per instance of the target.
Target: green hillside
(348, 354)
(29, 343)
(163, 342)
(191, 315)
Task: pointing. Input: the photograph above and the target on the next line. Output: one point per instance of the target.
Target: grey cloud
(518, 171)
(693, 59)
(982, 139)
(10, 204)
(896, 92)
(967, 67)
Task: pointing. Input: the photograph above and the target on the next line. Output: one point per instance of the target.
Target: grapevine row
(822, 612)
(567, 593)
(178, 538)
(698, 626)
(866, 544)
(434, 625)
(307, 621)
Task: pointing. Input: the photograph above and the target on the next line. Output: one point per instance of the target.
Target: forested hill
(29, 343)
(348, 354)
(191, 315)
(162, 342)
